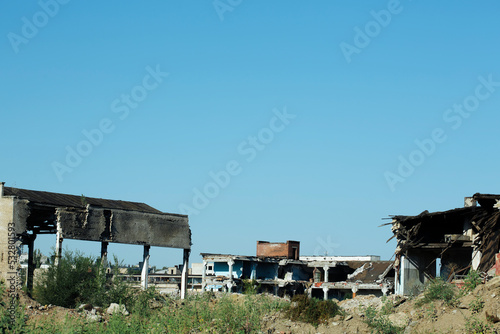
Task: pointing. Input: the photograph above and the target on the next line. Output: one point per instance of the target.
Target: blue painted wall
(222, 269)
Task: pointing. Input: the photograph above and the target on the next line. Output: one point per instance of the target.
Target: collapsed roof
(96, 219)
(476, 227)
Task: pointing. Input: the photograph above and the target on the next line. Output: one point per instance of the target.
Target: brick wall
(289, 249)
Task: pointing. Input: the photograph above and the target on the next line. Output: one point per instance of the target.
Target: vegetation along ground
(76, 297)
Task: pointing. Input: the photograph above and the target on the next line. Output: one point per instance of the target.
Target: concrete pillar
(326, 268)
(253, 273)
(476, 254)
(354, 290)
(276, 271)
(385, 289)
(204, 276)
(104, 254)
(229, 287)
(31, 265)
(419, 268)
(325, 292)
(230, 263)
(145, 268)
(399, 277)
(59, 241)
(185, 271)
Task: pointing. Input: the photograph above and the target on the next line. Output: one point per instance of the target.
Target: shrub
(473, 325)
(312, 310)
(250, 287)
(387, 306)
(380, 323)
(476, 305)
(79, 279)
(438, 289)
(471, 281)
(140, 304)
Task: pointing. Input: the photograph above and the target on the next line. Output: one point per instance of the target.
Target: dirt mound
(475, 312)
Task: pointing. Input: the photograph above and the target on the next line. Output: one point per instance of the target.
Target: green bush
(474, 325)
(250, 287)
(438, 289)
(476, 305)
(380, 323)
(387, 306)
(79, 279)
(471, 281)
(141, 302)
(312, 310)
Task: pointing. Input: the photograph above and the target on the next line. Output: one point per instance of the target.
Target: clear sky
(317, 119)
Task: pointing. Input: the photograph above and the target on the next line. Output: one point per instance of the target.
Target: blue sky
(393, 109)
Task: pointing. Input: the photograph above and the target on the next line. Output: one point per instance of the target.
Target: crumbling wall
(121, 226)
(7, 233)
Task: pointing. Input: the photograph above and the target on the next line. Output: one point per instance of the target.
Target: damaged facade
(26, 213)
(279, 269)
(459, 239)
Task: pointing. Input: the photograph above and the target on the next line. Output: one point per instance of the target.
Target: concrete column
(419, 269)
(326, 268)
(230, 263)
(354, 289)
(104, 254)
(325, 292)
(59, 241)
(204, 275)
(145, 267)
(229, 287)
(276, 271)
(476, 254)
(399, 277)
(253, 274)
(185, 271)
(31, 264)
(385, 289)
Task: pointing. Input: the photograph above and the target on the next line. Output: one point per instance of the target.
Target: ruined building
(459, 239)
(24, 214)
(278, 268)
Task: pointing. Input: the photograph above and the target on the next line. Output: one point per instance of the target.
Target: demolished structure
(26, 213)
(278, 268)
(459, 239)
